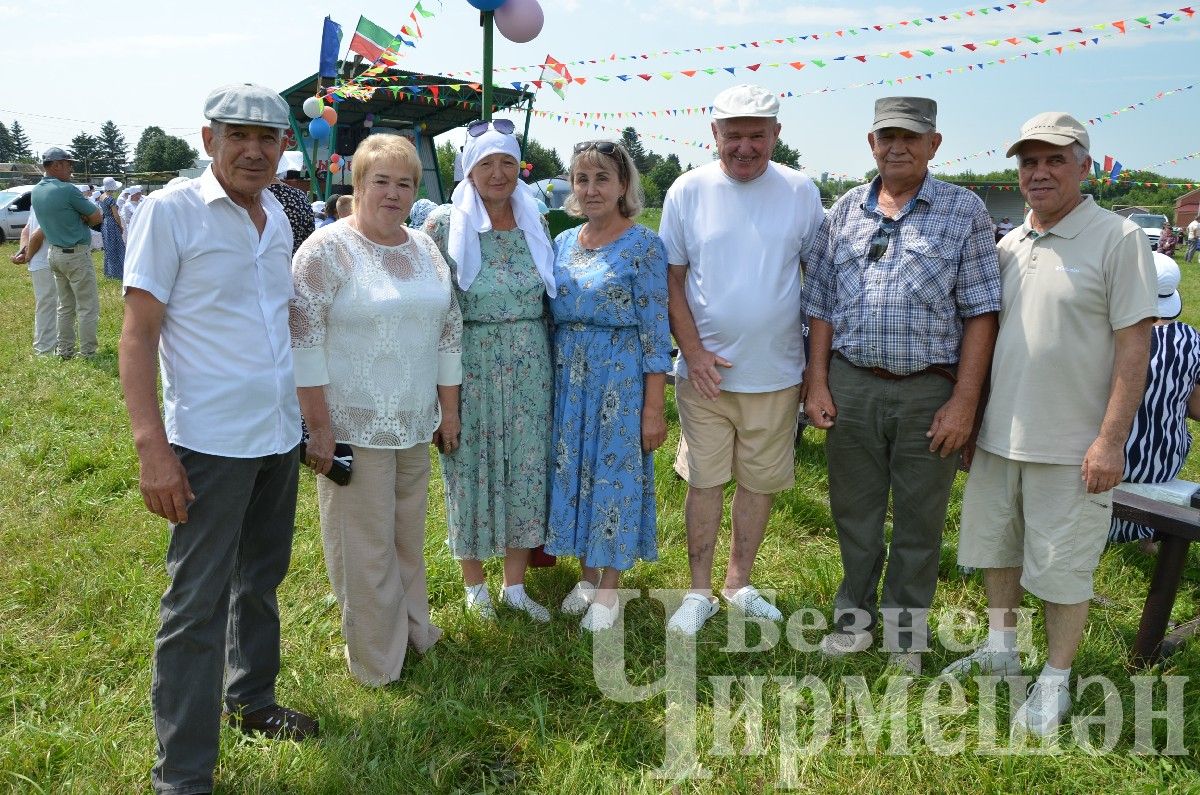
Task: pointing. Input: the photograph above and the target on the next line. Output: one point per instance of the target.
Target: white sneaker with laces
(751, 602)
(579, 599)
(692, 614)
(986, 662)
(600, 617)
(527, 606)
(1045, 705)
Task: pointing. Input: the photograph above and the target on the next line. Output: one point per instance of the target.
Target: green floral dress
(496, 481)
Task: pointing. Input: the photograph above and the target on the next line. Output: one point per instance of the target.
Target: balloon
(368, 123)
(318, 128)
(335, 158)
(334, 167)
(520, 20)
(486, 5)
(525, 173)
(313, 107)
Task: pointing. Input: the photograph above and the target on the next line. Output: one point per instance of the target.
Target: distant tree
(870, 175)
(148, 134)
(652, 194)
(665, 173)
(5, 144)
(445, 161)
(546, 162)
(113, 149)
(85, 149)
(20, 152)
(163, 152)
(633, 145)
(785, 155)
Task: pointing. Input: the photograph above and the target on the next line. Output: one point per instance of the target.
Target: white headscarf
(469, 218)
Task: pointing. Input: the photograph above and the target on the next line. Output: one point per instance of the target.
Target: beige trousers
(373, 530)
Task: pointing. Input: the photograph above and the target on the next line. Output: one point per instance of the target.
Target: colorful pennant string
(841, 33)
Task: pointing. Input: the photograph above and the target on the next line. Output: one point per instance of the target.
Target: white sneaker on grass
(986, 662)
(526, 605)
(751, 602)
(1045, 705)
(481, 606)
(841, 642)
(600, 617)
(579, 599)
(692, 614)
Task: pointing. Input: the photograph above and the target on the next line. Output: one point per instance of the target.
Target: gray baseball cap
(247, 103)
(56, 153)
(1052, 127)
(918, 114)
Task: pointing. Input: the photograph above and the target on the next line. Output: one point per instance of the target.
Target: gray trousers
(78, 296)
(219, 617)
(45, 303)
(877, 445)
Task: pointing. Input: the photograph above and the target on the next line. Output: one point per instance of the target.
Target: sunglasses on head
(880, 240)
(502, 126)
(603, 147)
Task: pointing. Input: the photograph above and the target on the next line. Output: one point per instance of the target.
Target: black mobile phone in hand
(343, 462)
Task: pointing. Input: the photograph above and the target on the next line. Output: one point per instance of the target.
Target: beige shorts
(1036, 516)
(747, 436)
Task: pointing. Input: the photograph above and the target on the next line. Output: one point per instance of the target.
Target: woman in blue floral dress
(611, 354)
(112, 231)
(503, 266)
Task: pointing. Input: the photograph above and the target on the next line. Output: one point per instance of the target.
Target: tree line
(108, 152)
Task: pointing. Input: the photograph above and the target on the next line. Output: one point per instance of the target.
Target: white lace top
(379, 327)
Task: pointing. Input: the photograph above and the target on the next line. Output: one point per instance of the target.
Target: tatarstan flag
(370, 41)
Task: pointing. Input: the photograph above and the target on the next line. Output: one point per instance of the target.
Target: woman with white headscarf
(503, 264)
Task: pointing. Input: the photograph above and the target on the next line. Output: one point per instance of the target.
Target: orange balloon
(329, 115)
(334, 168)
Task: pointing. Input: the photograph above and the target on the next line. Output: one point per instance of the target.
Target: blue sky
(146, 63)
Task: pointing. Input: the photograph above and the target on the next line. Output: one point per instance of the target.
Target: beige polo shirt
(1064, 293)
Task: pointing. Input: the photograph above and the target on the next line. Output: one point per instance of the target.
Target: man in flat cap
(736, 231)
(1080, 297)
(207, 282)
(902, 298)
(65, 216)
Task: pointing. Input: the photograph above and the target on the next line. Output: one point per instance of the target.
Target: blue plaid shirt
(904, 311)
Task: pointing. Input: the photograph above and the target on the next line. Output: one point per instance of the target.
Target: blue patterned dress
(611, 329)
(114, 243)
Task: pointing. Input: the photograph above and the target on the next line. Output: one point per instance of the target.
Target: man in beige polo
(1079, 299)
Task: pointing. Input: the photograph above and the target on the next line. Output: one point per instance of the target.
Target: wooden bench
(1179, 527)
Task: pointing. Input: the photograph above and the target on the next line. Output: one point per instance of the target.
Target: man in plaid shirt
(902, 297)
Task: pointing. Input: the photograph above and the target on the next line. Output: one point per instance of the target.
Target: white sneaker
(579, 599)
(752, 603)
(692, 614)
(482, 608)
(600, 617)
(841, 642)
(1046, 703)
(985, 661)
(526, 605)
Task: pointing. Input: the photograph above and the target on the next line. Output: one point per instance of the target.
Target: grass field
(512, 706)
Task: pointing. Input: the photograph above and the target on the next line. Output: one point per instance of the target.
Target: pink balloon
(520, 20)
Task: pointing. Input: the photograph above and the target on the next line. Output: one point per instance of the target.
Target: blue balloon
(486, 5)
(318, 128)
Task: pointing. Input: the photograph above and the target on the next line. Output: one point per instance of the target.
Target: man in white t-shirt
(35, 253)
(207, 282)
(1193, 239)
(736, 232)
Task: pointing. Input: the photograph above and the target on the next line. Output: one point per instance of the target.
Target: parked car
(1151, 224)
(14, 211)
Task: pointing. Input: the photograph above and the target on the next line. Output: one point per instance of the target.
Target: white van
(14, 211)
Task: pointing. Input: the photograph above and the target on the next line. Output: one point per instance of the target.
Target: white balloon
(313, 107)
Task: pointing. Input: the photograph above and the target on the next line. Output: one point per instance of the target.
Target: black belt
(942, 370)
(70, 250)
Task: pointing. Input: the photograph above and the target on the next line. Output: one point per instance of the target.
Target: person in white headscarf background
(112, 230)
(500, 252)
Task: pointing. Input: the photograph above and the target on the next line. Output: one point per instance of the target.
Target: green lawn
(507, 707)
